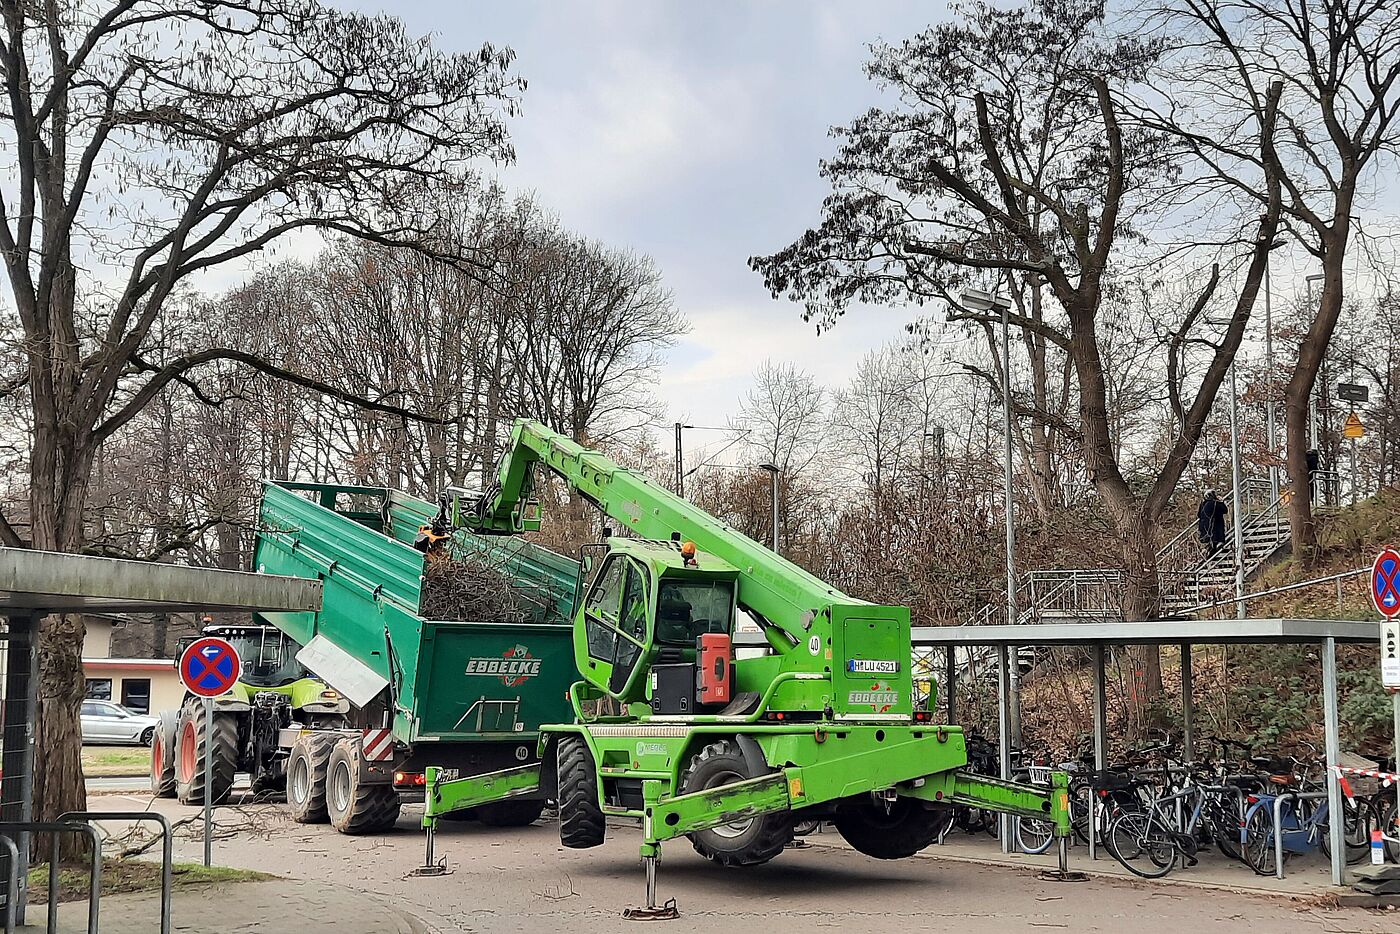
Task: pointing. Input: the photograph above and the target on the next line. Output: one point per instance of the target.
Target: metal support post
(773, 480)
(1188, 706)
(1334, 752)
(1100, 740)
(1353, 471)
(680, 468)
(1003, 739)
(1395, 726)
(950, 681)
(208, 781)
(1236, 505)
(17, 763)
(1269, 411)
(1013, 731)
(651, 852)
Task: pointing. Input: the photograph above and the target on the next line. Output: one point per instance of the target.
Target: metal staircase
(1187, 575)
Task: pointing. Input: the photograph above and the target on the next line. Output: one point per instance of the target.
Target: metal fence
(18, 681)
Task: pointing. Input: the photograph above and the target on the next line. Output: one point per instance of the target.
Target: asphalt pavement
(521, 880)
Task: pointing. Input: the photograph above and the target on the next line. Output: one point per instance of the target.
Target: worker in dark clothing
(1210, 522)
(1314, 468)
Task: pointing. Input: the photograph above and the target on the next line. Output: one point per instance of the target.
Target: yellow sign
(1353, 427)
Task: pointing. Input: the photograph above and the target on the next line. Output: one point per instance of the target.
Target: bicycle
(1151, 841)
(1303, 823)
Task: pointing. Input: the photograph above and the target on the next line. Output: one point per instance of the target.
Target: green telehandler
(673, 726)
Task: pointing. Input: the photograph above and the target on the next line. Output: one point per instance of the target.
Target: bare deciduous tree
(1008, 154)
(204, 133)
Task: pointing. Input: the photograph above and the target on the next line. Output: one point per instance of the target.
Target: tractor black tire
(896, 832)
(581, 823)
(221, 736)
(747, 842)
(510, 813)
(306, 776)
(355, 806)
(163, 755)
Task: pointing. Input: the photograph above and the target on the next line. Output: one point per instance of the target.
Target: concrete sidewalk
(284, 906)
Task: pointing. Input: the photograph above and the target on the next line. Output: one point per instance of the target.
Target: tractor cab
(268, 655)
(661, 609)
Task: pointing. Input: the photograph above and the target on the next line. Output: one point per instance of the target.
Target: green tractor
(247, 733)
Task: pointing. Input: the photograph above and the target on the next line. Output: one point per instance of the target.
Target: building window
(136, 694)
(99, 688)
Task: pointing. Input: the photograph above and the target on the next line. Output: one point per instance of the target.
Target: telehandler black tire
(510, 813)
(902, 830)
(581, 823)
(353, 805)
(741, 843)
(306, 777)
(193, 735)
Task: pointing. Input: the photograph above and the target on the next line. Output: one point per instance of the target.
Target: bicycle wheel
(1258, 842)
(1034, 836)
(1224, 826)
(1390, 829)
(1079, 811)
(1356, 830)
(1142, 844)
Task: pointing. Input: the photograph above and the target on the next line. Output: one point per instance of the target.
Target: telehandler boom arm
(783, 595)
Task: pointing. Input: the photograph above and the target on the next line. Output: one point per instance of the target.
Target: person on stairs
(1210, 523)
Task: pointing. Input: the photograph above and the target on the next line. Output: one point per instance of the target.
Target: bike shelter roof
(1154, 632)
(41, 582)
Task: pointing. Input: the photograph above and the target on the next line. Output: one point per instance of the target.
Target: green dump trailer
(467, 696)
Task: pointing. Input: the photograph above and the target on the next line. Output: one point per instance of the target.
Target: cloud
(711, 367)
(626, 131)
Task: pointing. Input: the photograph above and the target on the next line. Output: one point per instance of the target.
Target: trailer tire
(306, 777)
(354, 805)
(581, 823)
(222, 737)
(901, 831)
(510, 813)
(163, 755)
(746, 842)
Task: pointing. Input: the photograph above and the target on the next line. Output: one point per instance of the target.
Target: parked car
(106, 722)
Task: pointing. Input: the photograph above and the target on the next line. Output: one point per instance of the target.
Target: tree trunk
(58, 775)
(60, 471)
(1311, 352)
(1141, 601)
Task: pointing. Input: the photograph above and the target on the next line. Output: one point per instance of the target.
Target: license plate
(872, 666)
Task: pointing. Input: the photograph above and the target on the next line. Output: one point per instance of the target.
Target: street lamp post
(1269, 410)
(773, 487)
(978, 300)
(1237, 500)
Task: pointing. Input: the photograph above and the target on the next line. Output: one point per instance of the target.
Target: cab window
(687, 609)
(604, 600)
(633, 622)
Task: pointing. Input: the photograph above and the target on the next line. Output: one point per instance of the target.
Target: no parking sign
(1385, 594)
(209, 667)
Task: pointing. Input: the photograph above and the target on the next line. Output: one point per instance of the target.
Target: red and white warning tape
(1386, 778)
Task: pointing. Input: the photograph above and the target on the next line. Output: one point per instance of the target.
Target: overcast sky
(691, 131)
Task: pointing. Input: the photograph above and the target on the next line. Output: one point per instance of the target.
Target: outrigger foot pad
(666, 912)
(432, 869)
(1063, 875)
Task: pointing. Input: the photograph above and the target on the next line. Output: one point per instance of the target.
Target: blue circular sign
(1385, 583)
(209, 667)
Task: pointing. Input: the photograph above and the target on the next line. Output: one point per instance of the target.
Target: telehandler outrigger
(669, 726)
